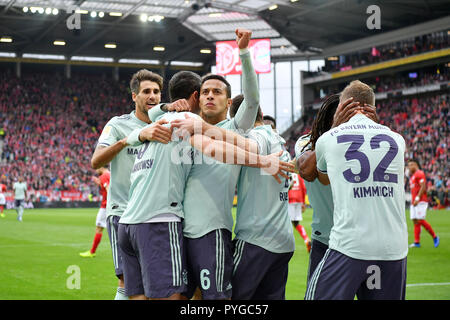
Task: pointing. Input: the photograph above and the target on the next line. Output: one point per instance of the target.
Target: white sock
(120, 294)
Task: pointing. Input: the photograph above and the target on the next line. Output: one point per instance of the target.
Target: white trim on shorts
(419, 211)
(220, 261)
(295, 211)
(311, 288)
(175, 254)
(2, 199)
(237, 255)
(114, 243)
(101, 218)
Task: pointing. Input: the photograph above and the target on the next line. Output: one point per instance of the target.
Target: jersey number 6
(352, 153)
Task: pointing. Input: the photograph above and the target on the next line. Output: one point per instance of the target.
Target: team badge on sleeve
(303, 143)
(105, 133)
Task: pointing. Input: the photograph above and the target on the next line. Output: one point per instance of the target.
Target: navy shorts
(19, 203)
(259, 274)
(210, 265)
(318, 250)
(339, 277)
(112, 225)
(154, 262)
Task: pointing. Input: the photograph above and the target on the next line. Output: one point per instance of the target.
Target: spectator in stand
(405, 48)
(52, 116)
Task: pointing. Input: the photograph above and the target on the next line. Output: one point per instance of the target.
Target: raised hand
(371, 112)
(243, 38)
(345, 111)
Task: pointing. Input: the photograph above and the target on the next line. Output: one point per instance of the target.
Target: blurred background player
(103, 182)
(419, 203)
(2, 199)
(296, 206)
(20, 193)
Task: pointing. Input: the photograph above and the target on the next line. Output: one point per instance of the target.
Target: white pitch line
(428, 284)
(42, 245)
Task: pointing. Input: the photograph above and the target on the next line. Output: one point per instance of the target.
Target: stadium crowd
(51, 125)
(400, 49)
(409, 79)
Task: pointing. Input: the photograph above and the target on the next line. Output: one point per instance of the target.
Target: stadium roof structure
(163, 31)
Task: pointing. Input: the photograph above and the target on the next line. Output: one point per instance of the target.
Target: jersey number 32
(379, 174)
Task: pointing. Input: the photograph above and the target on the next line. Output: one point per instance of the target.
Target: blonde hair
(360, 92)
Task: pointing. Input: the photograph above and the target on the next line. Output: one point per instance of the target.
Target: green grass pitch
(35, 256)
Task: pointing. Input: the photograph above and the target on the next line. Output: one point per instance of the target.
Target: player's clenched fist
(156, 132)
(243, 38)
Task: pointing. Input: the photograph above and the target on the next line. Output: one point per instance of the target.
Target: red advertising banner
(70, 195)
(227, 56)
(47, 195)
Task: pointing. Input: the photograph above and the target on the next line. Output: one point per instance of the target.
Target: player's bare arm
(422, 190)
(306, 165)
(105, 154)
(323, 178)
(231, 154)
(193, 126)
(275, 167)
(179, 105)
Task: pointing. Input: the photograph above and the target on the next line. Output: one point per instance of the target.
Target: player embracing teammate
(364, 164)
(189, 216)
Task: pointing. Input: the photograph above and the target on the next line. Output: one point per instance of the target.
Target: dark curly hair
(324, 119)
